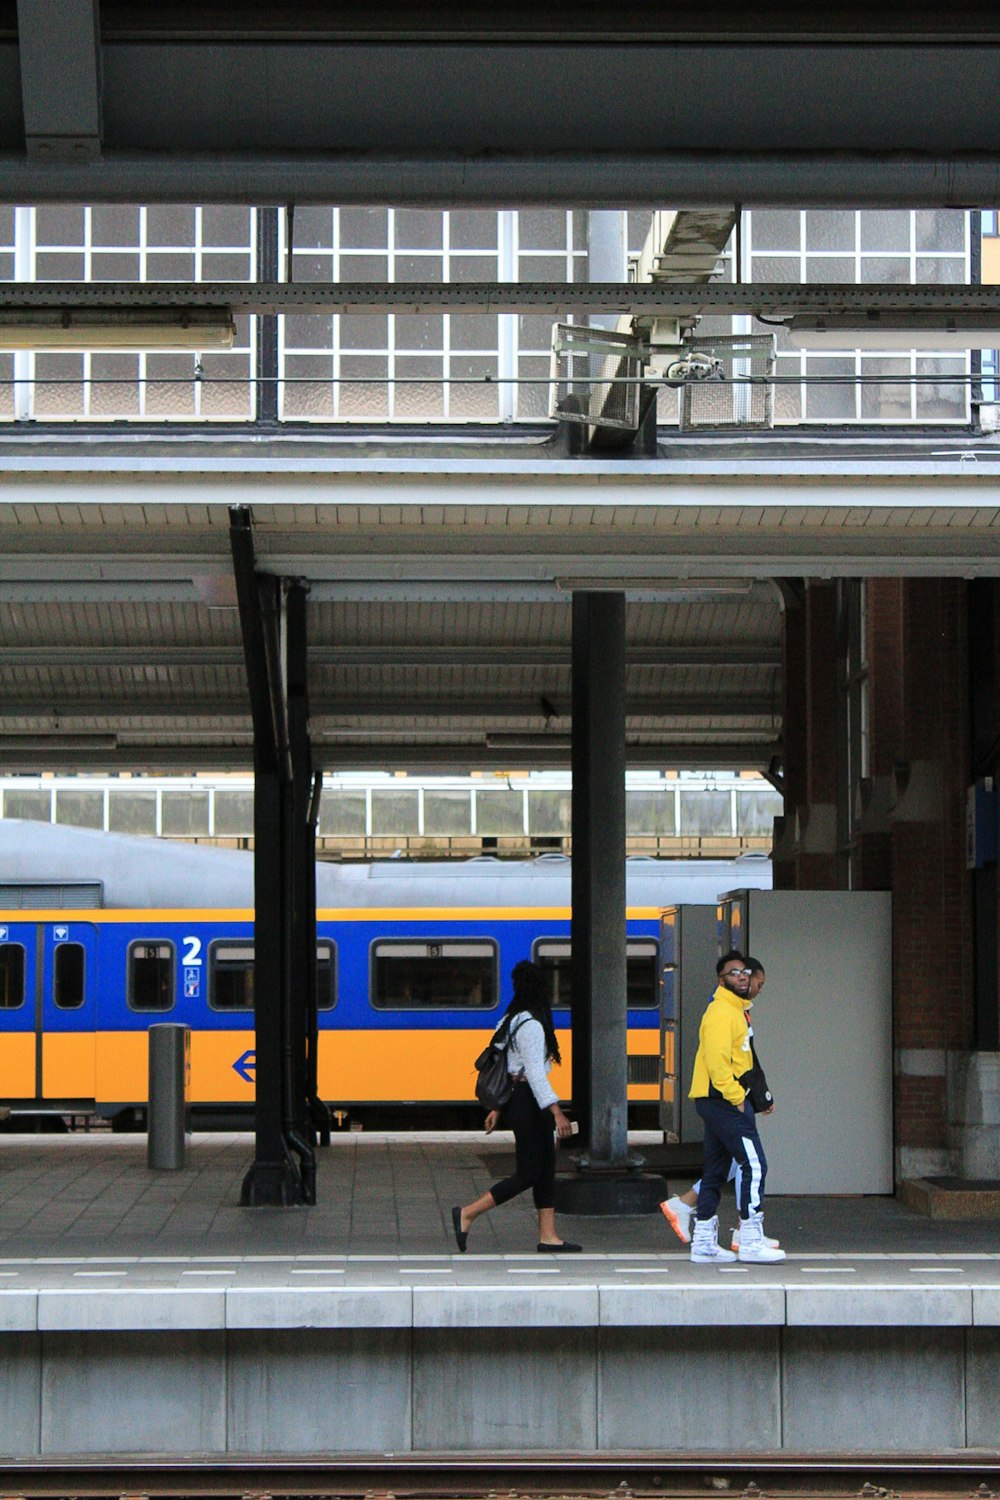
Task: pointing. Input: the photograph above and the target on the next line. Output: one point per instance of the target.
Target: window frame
(13, 943)
(630, 944)
(159, 1010)
(241, 1010)
(57, 949)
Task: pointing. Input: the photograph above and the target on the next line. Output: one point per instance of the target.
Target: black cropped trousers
(534, 1142)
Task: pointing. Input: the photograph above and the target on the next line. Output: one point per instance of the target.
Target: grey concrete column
(598, 931)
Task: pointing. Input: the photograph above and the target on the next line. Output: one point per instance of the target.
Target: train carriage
(102, 935)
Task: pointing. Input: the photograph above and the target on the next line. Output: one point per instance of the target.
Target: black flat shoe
(461, 1235)
(566, 1248)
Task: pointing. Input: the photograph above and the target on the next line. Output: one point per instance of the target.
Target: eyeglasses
(732, 973)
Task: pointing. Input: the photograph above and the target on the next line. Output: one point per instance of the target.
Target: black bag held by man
(760, 1096)
(494, 1085)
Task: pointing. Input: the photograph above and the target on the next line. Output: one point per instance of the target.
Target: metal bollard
(169, 1074)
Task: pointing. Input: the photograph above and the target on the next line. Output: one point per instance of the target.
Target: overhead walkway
(146, 1312)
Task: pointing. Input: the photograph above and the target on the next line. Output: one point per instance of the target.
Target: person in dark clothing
(531, 1112)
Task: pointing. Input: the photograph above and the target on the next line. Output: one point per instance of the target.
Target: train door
(20, 1000)
(69, 1010)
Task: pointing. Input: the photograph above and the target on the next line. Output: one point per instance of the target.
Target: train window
(445, 975)
(151, 976)
(68, 972)
(641, 971)
(11, 976)
(230, 975)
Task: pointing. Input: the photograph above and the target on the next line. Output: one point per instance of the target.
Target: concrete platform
(144, 1312)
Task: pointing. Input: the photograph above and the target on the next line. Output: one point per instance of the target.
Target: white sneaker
(705, 1247)
(734, 1242)
(754, 1244)
(678, 1215)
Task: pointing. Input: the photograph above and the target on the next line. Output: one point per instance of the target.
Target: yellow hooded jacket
(724, 1053)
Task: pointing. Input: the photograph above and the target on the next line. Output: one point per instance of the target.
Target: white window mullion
(507, 322)
(24, 270)
(391, 321)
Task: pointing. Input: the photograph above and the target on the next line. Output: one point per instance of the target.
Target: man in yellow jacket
(722, 1067)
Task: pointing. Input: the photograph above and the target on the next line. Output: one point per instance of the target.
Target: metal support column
(608, 1181)
(985, 717)
(272, 620)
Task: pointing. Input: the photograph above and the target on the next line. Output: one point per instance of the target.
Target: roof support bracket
(60, 80)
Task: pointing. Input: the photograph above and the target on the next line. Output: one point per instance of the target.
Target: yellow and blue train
(102, 935)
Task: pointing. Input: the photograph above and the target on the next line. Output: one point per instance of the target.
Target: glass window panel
(233, 814)
(541, 268)
(114, 224)
(649, 812)
(312, 228)
(395, 814)
(226, 391)
(6, 224)
(105, 266)
(326, 975)
(224, 267)
(6, 267)
(642, 972)
(151, 976)
(581, 229)
(132, 812)
(541, 229)
(447, 814)
(940, 229)
(835, 268)
(11, 976)
(550, 812)
(54, 265)
(473, 229)
(59, 224)
(6, 389)
(775, 229)
(775, 268)
(230, 975)
(184, 813)
(885, 229)
(364, 227)
(370, 401)
(755, 812)
(308, 390)
(534, 332)
(64, 397)
(68, 976)
(308, 331)
(946, 269)
(473, 268)
(473, 331)
(80, 809)
(446, 975)
(342, 813)
(788, 398)
(499, 812)
(944, 399)
(223, 224)
(830, 403)
(34, 807)
(364, 268)
(639, 220)
(887, 268)
(419, 332)
(364, 331)
(886, 402)
(533, 398)
(705, 814)
(419, 402)
(827, 230)
(170, 224)
(315, 268)
(418, 229)
(169, 267)
(114, 390)
(170, 385)
(418, 268)
(478, 402)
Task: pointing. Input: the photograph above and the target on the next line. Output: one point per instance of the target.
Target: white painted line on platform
(317, 1271)
(936, 1270)
(732, 1270)
(100, 1273)
(230, 1272)
(642, 1270)
(425, 1270)
(828, 1270)
(10, 1273)
(533, 1270)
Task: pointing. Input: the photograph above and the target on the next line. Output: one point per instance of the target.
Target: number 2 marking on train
(192, 951)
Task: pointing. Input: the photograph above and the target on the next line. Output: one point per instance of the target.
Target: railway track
(974, 1476)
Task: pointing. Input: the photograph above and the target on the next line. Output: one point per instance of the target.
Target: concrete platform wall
(406, 1389)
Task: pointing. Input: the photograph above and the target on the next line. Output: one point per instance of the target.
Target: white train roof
(135, 872)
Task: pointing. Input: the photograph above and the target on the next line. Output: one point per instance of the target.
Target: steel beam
(658, 299)
(60, 60)
(383, 705)
(439, 654)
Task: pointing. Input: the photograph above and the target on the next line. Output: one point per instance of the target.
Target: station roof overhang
(440, 575)
(550, 103)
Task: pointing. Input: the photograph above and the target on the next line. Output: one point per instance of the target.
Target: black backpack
(494, 1085)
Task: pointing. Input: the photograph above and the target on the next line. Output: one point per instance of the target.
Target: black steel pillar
(985, 716)
(608, 1181)
(272, 620)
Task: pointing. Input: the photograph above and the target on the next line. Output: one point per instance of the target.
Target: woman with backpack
(531, 1112)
